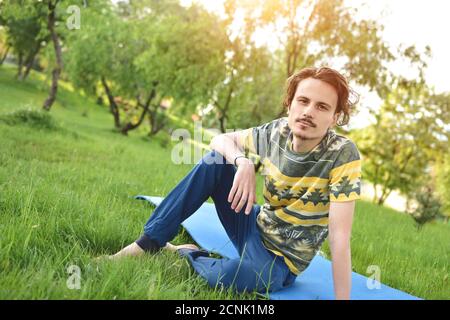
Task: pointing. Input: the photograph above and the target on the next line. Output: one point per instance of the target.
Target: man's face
(312, 110)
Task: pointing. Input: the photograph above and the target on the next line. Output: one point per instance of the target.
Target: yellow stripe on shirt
(283, 181)
(352, 169)
(342, 197)
(300, 222)
(296, 204)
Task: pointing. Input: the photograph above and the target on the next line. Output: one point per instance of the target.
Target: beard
(303, 132)
(302, 137)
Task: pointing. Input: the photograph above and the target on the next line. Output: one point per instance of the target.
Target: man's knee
(214, 157)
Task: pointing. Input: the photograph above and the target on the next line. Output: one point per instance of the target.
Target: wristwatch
(238, 158)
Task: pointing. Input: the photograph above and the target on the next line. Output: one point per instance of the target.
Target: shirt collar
(319, 149)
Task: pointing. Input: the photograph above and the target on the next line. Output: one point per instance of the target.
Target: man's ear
(335, 119)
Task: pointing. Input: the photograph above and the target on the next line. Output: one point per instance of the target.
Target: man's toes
(187, 246)
(172, 247)
(103, 258)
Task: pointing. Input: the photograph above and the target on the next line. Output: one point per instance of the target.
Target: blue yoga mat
(315, 283)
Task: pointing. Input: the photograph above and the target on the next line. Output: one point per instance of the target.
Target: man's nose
(309, 110)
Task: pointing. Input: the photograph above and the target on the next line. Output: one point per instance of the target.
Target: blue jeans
(257, 268)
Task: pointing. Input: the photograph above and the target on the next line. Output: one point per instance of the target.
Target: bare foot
(171, 247)
(133, 250)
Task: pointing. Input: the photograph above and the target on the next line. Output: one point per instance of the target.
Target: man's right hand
(243, 190)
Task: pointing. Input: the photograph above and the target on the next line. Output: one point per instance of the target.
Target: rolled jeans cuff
(147, 244)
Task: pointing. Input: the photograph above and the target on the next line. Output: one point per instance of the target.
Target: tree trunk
(222, 123)
(99, 99)
(375, 182)
(155, 127)
(153, 123)
(2, 59)
(384, 196)
(57, 46)
(375, 193)
(130, 126)
(20, 66)
(223, 111)
(292, 53)
(112, 104)
(30, 60)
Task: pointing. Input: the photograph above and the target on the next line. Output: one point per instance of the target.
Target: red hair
(347, 98)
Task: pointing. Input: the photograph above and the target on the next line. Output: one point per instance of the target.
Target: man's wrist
(240, 160)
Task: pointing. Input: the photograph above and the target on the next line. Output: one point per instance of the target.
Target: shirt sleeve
(345, 176)
(256, 140)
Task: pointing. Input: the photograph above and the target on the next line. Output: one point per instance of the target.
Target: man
(312, 179)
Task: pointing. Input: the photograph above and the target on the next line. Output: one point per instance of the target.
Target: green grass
(66, 188)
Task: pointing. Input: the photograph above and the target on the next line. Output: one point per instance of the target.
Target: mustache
(307, 121)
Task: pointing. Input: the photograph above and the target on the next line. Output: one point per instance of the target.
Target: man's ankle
(147, 244)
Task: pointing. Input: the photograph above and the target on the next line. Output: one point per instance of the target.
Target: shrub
(428, 206)
(38, 119)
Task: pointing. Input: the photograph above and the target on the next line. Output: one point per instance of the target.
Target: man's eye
(303, 101)
(322, 107)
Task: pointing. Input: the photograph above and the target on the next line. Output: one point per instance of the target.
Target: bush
(38, 119)
(443, 183)
(428, 206)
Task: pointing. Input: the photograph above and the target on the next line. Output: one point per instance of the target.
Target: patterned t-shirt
(298, 188)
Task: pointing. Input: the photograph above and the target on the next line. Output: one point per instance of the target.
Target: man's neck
(304, 145)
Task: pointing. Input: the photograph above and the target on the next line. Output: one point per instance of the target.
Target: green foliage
(406, 139)
(443, 183)
(31, 117)
(93, 47)
(251, 84)
(26, 30)
(429, 207)
(184, 52)
(323, 32)
(148, 53)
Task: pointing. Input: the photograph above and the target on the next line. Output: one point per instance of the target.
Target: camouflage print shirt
(298, 188)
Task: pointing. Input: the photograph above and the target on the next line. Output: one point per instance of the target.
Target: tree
(251, 86)
(400, 148)
(51, 26)
(428, 208)
(26, 33)
(51, 10)
(104, 53)
(151, 51)
(318, 32)
(187, 54)
(443, 183)
(4, 45)
(258, 90)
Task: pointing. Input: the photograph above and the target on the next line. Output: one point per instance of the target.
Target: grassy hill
(66, 187)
